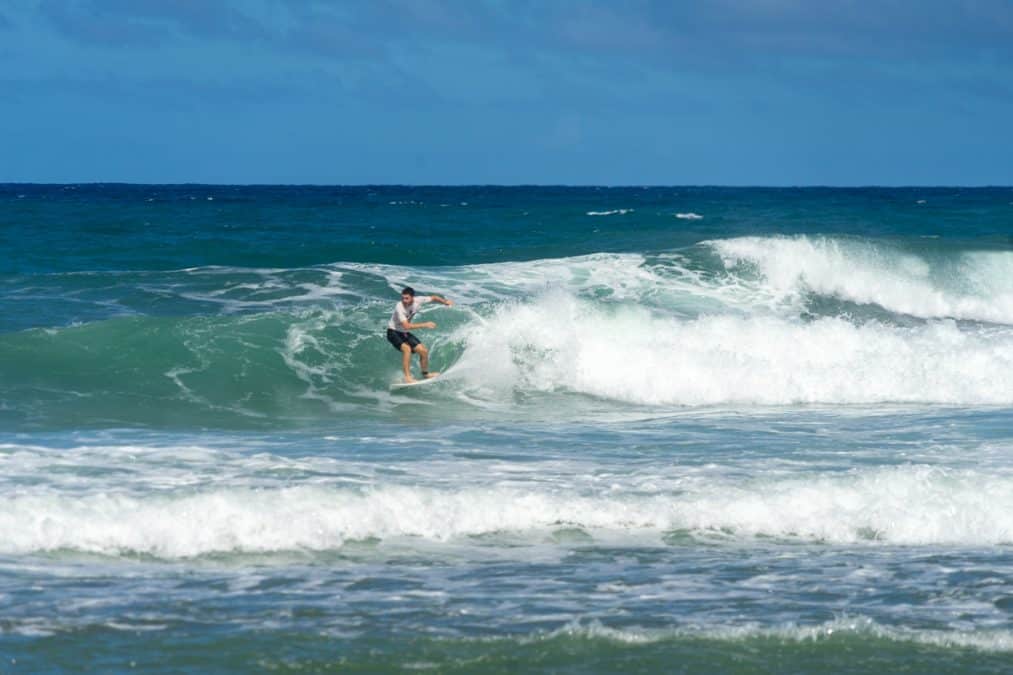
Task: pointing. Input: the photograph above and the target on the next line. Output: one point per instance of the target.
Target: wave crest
(972, 285)
(915, 505)
(634, 355)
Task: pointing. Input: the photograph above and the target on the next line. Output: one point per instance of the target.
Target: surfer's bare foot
(409, 379)
(430, 375)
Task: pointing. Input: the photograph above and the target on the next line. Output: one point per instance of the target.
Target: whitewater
(762, 429)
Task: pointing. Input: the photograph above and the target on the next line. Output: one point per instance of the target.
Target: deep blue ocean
(680, 430)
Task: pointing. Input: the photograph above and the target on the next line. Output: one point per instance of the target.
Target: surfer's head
(407, 295)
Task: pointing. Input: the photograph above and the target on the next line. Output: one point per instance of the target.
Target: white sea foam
(257, 289)
(778, 273)
(995, 640)
(761, 274)
(613, 212)
(910, 505)
(631, 354)
(621, 275)
(975, 285)
(689, 216)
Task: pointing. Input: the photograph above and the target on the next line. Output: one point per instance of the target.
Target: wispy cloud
(481, 52)
(149, 22)
(703, 77)
(163, 93)
(693, 33)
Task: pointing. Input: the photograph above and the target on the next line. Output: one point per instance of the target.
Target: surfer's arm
(414, 326)
(441, 300)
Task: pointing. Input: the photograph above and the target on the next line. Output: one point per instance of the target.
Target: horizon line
(643, 186)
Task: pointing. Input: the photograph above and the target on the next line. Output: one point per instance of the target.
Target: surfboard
(416, 383)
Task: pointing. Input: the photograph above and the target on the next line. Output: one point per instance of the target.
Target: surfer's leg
(423, 357)
(406, 362)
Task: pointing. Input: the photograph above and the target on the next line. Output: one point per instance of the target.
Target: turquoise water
(689, 429)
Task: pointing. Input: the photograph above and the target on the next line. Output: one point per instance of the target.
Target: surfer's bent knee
(421, 349)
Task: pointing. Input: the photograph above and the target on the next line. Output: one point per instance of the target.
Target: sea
(680, 429)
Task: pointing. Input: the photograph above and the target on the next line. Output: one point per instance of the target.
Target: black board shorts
(398, 338)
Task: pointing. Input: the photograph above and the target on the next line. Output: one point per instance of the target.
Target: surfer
(401, 322)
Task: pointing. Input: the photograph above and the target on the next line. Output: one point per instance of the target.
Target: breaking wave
(748, 321)
(909, 505)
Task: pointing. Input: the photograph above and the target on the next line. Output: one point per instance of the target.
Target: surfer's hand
(429, 324)
(450, 303)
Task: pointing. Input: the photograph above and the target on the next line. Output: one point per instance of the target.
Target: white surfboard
(416, 383)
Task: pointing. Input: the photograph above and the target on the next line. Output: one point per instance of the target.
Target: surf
(975, 285)
(751, 321)
(913, 505)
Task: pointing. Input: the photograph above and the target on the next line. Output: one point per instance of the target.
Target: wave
(844, 628)
(613, 212)
(282, 367)
(746, 274)
(972, 285)
(912, 505)
(748, 321)
(634, 355)
(848, 643)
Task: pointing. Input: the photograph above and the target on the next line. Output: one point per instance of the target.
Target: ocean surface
(681, 430)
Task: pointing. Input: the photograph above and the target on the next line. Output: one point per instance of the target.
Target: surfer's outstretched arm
(441, 300)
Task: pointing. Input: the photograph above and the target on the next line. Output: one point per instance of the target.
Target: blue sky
(729, 92)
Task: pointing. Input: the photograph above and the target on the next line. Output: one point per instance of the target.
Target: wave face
(743, 321)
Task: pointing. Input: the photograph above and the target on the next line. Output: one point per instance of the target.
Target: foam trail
(974, 285)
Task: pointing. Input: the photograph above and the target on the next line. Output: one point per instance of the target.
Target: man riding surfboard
(401, 322)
